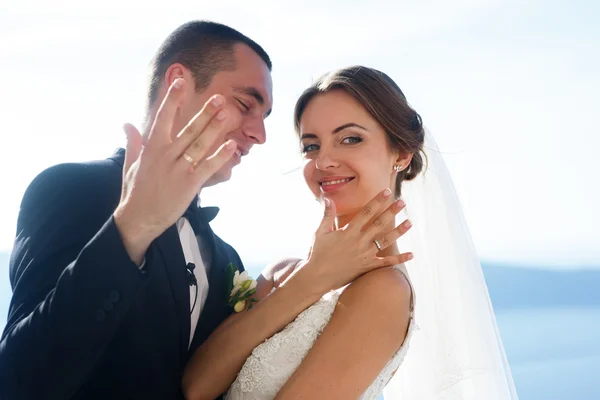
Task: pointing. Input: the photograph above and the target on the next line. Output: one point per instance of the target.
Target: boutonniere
(240, 288)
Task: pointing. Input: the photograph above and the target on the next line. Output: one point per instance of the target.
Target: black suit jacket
(84, 322)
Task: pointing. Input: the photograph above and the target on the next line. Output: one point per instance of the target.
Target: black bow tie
(199, 217)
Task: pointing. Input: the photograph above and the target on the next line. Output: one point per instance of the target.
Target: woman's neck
(391, 250)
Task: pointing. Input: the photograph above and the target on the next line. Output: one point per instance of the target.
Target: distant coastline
(511, 286)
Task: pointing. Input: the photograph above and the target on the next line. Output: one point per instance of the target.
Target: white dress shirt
(192, 252)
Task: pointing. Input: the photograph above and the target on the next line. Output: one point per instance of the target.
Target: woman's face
(348, 155)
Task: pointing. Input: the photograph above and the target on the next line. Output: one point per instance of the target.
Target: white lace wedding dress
(275, 360)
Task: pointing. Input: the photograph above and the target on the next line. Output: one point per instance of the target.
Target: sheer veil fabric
(457, 352)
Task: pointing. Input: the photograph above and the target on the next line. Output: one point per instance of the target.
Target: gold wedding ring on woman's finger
(189, 159)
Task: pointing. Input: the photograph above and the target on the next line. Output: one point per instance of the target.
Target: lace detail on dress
(273, 362)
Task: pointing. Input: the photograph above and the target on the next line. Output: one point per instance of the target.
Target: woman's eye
(352, 140)
(310, 147)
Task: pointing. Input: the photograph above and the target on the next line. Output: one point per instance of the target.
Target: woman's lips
(333, 184)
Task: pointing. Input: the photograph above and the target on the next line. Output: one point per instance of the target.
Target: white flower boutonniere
(241, 289)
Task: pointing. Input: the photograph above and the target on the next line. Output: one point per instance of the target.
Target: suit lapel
(216, 302)
(169, 246)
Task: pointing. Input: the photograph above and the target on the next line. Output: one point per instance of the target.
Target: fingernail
(217, 101)
(410, 256)
(178, 84)
(221, 115)
(387, 193)
(408, 223)
(230, 145)
(327, 202)
(400, 204)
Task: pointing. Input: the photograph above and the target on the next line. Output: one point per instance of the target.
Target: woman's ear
(402, 161)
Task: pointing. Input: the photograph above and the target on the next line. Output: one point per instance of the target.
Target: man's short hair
(205, 48)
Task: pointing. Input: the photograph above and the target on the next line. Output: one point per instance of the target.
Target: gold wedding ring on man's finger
(377, 244)
(189, 159)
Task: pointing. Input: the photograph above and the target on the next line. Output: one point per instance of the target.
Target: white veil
(457, 352)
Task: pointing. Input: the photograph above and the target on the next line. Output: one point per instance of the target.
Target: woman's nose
(326, 160)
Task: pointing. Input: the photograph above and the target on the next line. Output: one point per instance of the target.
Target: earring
(397, 168)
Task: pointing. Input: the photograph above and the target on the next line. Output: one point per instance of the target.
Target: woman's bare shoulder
(385, 291)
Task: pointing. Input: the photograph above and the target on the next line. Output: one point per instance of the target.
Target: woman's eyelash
(353, 139)
(308, 147)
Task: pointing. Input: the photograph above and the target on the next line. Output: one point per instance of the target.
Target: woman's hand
(340, 256)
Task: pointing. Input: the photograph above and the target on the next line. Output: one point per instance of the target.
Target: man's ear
(173, 72)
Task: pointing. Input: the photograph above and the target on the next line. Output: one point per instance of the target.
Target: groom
(116, 278)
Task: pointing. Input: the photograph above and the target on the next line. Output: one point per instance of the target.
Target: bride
(358, 135)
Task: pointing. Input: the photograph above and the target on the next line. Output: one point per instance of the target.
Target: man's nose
(254, 130)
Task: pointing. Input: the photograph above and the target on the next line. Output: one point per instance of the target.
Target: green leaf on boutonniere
(235, 298)
(252, 301)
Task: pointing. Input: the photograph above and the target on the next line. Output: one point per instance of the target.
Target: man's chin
(223, 175)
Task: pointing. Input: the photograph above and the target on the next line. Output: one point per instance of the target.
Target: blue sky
(509, 90)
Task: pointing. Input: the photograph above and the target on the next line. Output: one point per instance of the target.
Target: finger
(133, 148)
(390, 261)
(198, 124)
(160, 133)
(209, 139)
(207, 168)
(391, 237)
(372, 208)
(212, 136)
(328, 221)
(382, 220)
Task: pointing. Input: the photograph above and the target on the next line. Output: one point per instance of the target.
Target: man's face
(248, 91)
